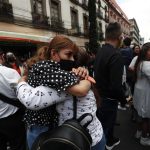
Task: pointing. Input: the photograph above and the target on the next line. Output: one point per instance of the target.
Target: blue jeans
(33, 132)
(107, 114)
(100, 145)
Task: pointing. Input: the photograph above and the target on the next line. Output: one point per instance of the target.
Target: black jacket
(108, 70)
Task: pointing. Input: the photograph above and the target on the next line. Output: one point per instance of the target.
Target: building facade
(102, 18)
(117, 15)
(44, 19)
(134, 31)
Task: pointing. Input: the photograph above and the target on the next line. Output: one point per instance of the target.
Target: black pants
(12, 131)
(107, 114)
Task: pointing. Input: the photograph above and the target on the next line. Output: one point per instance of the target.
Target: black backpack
(71, 135)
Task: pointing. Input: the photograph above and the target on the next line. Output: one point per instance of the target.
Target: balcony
(75, 1)
(40, 20)
(75, 30)
(84, 6)
(99, 14)
(57, 25)
(6, 12)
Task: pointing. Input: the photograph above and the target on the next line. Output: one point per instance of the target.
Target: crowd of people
(46, 83)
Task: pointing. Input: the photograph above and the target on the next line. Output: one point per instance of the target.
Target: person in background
(12, 62)
(136, 50)
(126, 52)
(108, 70)
(134, 115)
(141, 97)
(12, 129)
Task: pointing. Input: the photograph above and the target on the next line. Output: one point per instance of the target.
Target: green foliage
(93, 44)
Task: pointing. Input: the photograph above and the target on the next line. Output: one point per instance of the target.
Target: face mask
(67, 65)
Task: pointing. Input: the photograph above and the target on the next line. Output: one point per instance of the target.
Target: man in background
(108, 70)
(127, 55)
(12, 129)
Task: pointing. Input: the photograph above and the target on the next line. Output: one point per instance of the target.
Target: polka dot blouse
(47, 73)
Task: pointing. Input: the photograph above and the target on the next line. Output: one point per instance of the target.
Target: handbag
(71, 135)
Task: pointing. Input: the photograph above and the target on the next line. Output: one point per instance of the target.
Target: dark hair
(82, 58)
(141, 57)
(113, 31)
(135, 45)
(127, 41)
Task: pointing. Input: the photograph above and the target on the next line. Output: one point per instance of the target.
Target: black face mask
(67, 65)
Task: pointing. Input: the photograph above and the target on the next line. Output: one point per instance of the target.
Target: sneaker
(145, 141)
(138, 134)
(127, 105)
(111, 144)
(121, 108)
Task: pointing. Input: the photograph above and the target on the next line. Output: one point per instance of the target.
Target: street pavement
(125, 130)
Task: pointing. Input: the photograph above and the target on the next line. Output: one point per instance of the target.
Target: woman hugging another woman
(53, 76)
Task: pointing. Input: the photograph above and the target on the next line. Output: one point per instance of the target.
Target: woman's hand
(22, 79)
(81, 72)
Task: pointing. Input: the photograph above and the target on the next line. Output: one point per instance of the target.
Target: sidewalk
(125, 131)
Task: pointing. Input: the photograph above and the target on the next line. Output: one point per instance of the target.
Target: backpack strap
(11, 101)
(74, 107)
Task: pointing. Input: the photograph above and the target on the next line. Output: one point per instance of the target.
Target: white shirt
(86, 104)
(132, 64)
(8, 81)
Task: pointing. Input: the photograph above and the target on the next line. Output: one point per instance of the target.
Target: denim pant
(33, 132)
(107, 114)
(100, 145)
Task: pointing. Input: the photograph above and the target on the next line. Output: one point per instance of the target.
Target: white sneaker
(138, 134)
(127, 105)
(121, 108)
(145, 141)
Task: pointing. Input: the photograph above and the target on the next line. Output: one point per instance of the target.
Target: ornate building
(134, 31)
(117, 15)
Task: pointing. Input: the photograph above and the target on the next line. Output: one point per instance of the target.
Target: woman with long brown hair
(141, 98)
(48, 73)
(65, 57)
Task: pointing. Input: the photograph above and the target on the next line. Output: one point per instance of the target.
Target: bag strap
(74, 107)
(11, 101)
(84, 116)
(81, 117)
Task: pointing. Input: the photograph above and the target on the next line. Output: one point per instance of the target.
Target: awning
(4, 35)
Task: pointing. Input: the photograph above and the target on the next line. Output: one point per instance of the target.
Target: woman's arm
(80, 89)
(39, 97)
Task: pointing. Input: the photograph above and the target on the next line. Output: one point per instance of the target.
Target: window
(85, 22)
(99, 3)
(55, 10)
(85, 2)
(38, 6)
(74, 18)
(100, 26)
